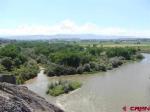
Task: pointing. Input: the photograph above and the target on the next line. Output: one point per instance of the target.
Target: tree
(71, 60)
(125, 52)
(7, 63)
(10, 51)
(17, 62)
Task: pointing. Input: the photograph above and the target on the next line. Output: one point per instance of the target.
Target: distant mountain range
(67, 37)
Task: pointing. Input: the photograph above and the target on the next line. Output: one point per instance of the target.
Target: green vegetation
(25, 72)
(125, 52)
(22, 58)
(139, 56)
(61, 87)
(75, 59)
(12, 61)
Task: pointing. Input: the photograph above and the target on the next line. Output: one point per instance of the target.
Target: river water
(128, 85)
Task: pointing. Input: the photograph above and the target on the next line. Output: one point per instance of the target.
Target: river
(128, 85)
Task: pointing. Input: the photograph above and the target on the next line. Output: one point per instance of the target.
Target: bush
(42, 59)
(74, 85)
(92, 65)
(60, 87)
(86, 68)
(95, 51)
(116, 62)
(102, 67)
(139, 56)
(7, 63)
(70, 71)
(57, 70)
(57, 90)
(80, 70)
(97, 67)
(25, 73)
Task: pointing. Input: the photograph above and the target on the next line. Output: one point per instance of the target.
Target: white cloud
(70, 27)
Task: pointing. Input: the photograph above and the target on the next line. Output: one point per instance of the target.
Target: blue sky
(122, 17)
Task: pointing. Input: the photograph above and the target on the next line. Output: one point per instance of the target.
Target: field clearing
(123, 45)
(144, 47)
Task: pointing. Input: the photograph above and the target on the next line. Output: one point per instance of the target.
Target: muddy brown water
(128, 85)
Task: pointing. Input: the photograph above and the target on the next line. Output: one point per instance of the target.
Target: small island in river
(60, 87)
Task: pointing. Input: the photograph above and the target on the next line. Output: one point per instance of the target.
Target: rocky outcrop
(14, 98)
(8, 78)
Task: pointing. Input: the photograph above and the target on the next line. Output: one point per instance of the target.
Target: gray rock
(8, 78)
(15, 98)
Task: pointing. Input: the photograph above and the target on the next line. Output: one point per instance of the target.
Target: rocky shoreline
(15, 98)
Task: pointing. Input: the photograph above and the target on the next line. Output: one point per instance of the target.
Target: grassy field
(144, 47)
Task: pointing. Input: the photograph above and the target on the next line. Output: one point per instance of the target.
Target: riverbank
(91, 67)
(105, 89)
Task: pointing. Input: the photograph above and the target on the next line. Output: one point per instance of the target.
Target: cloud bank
(70, 27)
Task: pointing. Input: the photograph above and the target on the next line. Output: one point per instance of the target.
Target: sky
(50, 17)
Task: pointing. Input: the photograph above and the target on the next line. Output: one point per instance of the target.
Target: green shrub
(7, 63)
(116, 61)
(102, 67)
(80, 70)
(25, 73)
(57, 70)
(139, 56)
(57, 90)
(86, 68)
(74, 85)
(60, 87)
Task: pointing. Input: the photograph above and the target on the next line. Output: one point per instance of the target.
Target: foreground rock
(15, 98)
